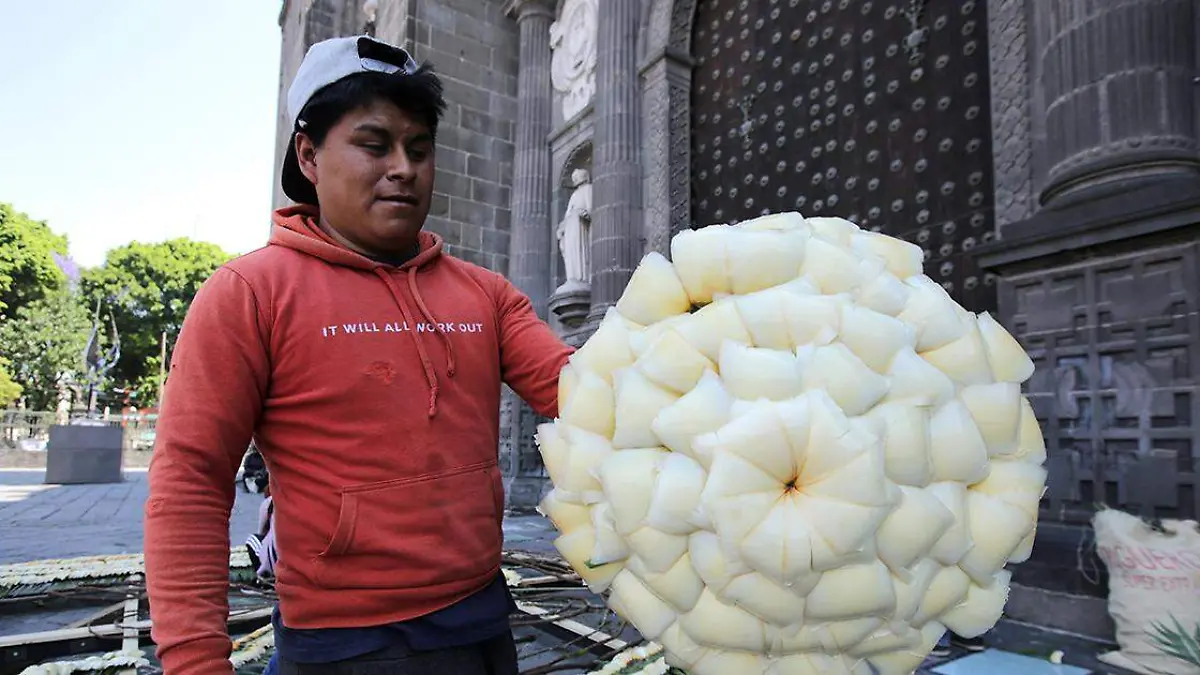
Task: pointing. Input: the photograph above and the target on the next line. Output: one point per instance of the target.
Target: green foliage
(148, 288)
(27, 268)
(9, 390)
(1175, 641)
(45, 340)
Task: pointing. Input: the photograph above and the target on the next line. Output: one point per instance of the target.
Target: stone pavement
(64, 521)
(48, 521)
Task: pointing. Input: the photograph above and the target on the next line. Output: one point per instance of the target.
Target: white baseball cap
(325, 63)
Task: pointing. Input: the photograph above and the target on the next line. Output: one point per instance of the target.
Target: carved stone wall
(852, 109)
(1100, 284)
(666, 113)
(666, 86)
(1012, 128)
(1116, 341)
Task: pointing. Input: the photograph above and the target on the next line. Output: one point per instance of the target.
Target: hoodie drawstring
(416, 293)
(426, 363)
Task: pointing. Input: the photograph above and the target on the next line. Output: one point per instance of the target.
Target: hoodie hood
(296, 228)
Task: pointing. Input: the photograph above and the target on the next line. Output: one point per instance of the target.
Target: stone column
(531, 241)
(1116, 86)
(617, 229)
(531, 237)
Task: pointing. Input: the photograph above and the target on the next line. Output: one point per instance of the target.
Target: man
(367, 366)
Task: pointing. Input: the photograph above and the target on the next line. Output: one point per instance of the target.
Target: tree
(29, 255)
(148, 288)
(45, 340)
(9, 390)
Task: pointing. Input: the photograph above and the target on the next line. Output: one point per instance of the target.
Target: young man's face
(374, 178)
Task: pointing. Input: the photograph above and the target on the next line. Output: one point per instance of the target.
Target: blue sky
(125, 120)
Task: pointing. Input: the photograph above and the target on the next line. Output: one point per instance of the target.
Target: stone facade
(1098, 196)
(1047, 179)
(473, 45)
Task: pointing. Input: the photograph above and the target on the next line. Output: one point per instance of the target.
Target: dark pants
(497, 656)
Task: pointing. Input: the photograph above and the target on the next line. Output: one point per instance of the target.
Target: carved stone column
(1012, 125)
(532, 240)
(666, 86)
(532, 237)
(666, 70)
(1115, 79)
(617, 227)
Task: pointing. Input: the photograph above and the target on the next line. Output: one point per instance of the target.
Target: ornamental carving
(573, 65)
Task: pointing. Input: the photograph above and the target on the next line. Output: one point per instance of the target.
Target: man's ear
(306, 156)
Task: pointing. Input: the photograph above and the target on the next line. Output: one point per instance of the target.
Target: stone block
(421, 32)
(437, 15)
(504, 219)
(495, 241)
(503, 106)
(472, 236)
(450, 159)
(471, 212)
(499, 263)
(474, 257)
(449, 65)
(467, 141)
(439, 205)
(451, 184)
(485, 169)
(450, 230)
(470, 51)
(467, 95)
(79, 454)
(490, 193)
(481, 122)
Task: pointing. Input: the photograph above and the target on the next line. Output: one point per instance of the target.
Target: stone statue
(573, 66)
(575, 230)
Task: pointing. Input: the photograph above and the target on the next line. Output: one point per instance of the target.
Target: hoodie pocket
(415, 532)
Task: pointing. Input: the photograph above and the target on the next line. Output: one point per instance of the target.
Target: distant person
(261, 546)
(367, 366)
(254, 471)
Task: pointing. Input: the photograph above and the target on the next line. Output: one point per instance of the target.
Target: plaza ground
(39, 521)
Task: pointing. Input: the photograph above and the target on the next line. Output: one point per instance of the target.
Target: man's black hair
(419, 94)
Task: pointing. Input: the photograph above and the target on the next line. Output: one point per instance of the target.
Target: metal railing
(30, 430)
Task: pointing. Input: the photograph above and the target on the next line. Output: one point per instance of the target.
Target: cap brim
(295, 185)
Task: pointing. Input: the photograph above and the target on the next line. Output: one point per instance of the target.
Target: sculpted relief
(573, 66)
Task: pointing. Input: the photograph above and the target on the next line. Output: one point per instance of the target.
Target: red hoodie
(373, 393)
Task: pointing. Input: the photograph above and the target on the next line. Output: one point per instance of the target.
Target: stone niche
(571, 300)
